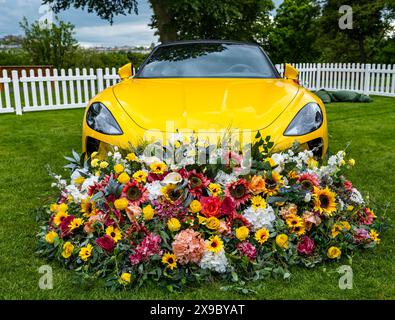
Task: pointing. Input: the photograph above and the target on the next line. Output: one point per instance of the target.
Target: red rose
(106, 243)
(228, 206)
(211, 206)
(306, 246)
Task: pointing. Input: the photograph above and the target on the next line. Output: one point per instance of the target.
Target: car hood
(188, 105)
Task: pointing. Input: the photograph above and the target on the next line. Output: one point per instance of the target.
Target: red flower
(196, 183)
(228, 206)
(306, 246)
(211, 206)
(366, 216)
(348, 185)
(238, 191)
(106, 243)
(135, 193)
(64, 226)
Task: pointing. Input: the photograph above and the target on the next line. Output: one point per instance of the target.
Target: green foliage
(51, 45)
(14, 57)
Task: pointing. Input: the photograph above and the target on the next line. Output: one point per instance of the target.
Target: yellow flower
(334, 252)
(114, 233)
(258, 202)
(374, 235)
(59, 217)
(282, 241)
(212, 223)
(95, 163)
(294, 220)
(104, 164)
(118, 168)
(63, 207)
(312, 163)
(242, 233)
(324, 201)
(123, 178)
(345, 225)
(351, 162)
(86, 252)
(75, 223)
(121, 203)
(215, 189)
(50, 237)
(79, 180)
(88, 207)
(126, 277)
(342, 162)
(195, 206)
(97, 173)
(173, 224)
(293, 175)
(201, 219)
(272, 184)
(299, 229)
(131, 157)
(158, 167)
(336, 230)
(350, 208)
(94, 154)
(170, 193)
(170, 260)
(262, 235)
(68, 248)
(215, 244)
(148, 212)
(140, 176)
(54, 207)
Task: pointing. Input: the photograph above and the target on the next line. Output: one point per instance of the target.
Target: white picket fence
(65, 89)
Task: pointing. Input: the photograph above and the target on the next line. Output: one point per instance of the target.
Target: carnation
(188, 246)
(214, 261)
(247, 249)
(259, 218)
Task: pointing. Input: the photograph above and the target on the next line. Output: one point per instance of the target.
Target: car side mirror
(126, 71)
(291, 73)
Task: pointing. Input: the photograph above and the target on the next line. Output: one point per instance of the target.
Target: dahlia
(188, 246)
(238, 191)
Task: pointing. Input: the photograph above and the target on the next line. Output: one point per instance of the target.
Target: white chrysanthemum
(214, 261)
(224, 179)
(154, 190)
(356, 196)
(259, 217)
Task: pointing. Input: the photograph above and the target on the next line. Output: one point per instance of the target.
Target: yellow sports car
(205, 87)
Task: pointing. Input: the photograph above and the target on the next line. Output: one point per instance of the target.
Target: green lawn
(29, 142)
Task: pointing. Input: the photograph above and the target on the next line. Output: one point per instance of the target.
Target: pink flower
(308, 181)
(135, 193)
(306, 246)
(228, 206)
(196, 183)
(348, 185)
(247, 249)
(238, 191)
(147, 248)
(366, 216)
(106, 242)
(188, 246)
(361, 235)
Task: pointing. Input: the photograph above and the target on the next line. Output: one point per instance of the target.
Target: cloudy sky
(90, 30)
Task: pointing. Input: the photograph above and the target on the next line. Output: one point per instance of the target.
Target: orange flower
(257, 184)
(188, 246)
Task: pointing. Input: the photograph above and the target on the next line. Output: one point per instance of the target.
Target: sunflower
(114, 233)
(140, 176)
(59, 217)
(215, 244)
(238, 191)
(75, 223)
(272, 184)
(170, 260)
(293, 220)
(324, 201)
(171, 193)
(135, 193)
(88, 207)
(215, 189)
(262, 235)
(258, 202)
(299, 229)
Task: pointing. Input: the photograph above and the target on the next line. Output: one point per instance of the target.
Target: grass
(31, 141)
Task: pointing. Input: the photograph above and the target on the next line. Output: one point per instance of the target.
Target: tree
(370, 28)
(294, 32)
(187, 19)
(51, 45)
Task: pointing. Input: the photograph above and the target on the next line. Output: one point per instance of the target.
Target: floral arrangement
(128, 217)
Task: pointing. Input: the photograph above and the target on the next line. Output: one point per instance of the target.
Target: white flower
(173, 178)
(88, 182)
(279, 160)
(149, 160)
(214, 261)
(77, 174)
(307, 197)
(260, 218)
(75, 193)
(356, 196)
(154, 190)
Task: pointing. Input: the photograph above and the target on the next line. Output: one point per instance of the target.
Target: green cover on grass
(342, 96)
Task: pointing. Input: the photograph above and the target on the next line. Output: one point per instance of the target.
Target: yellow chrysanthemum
(374, 235)
(118, 168)
(282, 241)
(68, 248)
(148, 213)
(262, 235)
(50, 237)
(158, 167)
(95, 163)
(54, 207)
(94, 154)
(173, 224)
(258, 202)
(215, 189)
(195, 206)
(215, 244)
(170, 260)
(213, 223)
(350, 208)
(242, 233)
(104, 164)
(59, 217)
(121, 203)
(63, 207)
(324, 201)
(75, 223)
(88, 207)
(86, 252)
(123, 178)
(126, 277)
(334, 252)
(132, 157)
(114, 233)
(140, 176)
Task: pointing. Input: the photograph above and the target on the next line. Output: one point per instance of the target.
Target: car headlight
(100, 119)
(308, 119)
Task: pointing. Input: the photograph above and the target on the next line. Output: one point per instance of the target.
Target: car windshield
(208, 60)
